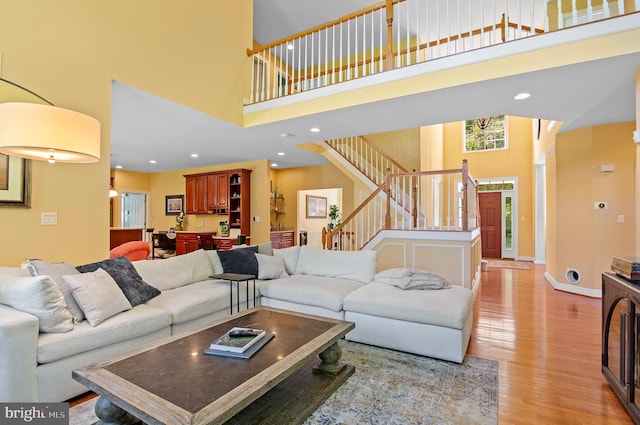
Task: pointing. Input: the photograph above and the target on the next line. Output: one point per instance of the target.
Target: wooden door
(491, 224)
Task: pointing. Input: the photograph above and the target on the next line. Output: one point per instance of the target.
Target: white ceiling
(146, 127)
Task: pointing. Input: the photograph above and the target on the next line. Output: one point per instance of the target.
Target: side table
(237, 278)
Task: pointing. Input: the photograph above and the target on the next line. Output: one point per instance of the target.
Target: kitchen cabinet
(225, 193)
(218, 192)
(196, 194)
(282, 239)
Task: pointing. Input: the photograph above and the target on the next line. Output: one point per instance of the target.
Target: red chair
(134, 250)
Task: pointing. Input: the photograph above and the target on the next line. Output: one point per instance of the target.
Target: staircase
(445, 200)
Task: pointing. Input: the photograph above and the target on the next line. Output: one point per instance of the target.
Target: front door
(491, 224)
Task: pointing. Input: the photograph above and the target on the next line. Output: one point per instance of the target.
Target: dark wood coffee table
(173, 382)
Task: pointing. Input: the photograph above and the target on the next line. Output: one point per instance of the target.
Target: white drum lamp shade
(44, 132)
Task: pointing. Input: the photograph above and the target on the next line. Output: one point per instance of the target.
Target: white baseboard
(574, 289)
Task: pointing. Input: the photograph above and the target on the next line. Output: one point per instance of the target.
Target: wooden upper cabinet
(218, 191)
(196, 194)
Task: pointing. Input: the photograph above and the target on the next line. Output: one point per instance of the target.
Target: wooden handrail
(326, 25)
(383, 153)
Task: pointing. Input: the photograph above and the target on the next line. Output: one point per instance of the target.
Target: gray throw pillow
(122, 271)
(56, 271)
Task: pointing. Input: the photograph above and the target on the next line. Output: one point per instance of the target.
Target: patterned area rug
(509, 264)
(393, 388)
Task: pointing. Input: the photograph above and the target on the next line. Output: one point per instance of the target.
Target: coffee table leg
(330, 363)
(109, 414)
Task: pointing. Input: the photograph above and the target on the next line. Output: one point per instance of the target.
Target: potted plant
(334, 215)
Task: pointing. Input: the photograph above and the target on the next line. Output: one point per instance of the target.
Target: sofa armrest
(18, 355)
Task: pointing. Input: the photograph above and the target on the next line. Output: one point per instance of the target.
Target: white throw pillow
(98, 295)
(215, 261)
(290, 257)
(40, 296)
(270, 267)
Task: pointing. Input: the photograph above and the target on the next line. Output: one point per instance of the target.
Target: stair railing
(445, 200)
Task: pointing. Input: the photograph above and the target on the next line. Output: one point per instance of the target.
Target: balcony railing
(430, 200)
(398, 33)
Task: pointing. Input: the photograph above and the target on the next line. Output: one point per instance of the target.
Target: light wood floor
(548, 345)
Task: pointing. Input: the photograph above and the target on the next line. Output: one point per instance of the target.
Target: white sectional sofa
(434, 323)
(36, 359)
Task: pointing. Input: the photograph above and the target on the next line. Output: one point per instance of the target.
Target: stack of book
(239, 342)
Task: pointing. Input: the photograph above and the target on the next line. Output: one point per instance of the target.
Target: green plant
(334, 215)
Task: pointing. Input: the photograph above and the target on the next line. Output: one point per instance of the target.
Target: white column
(540, 214)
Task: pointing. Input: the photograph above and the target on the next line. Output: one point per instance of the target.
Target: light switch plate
(49, 218)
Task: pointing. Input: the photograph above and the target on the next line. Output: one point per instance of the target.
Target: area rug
(393, 388)
(509, 264)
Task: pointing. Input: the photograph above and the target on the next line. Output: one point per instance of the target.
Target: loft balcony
(400, 39)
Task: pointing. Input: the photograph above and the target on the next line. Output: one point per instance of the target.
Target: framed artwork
(15, 182)
(174, 204)
(316, 207)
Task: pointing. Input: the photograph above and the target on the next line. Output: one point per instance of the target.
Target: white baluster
(560, 19)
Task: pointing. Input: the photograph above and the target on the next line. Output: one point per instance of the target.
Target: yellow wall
(69, 52)
(516, 160)
(586, 238)
(402, 145)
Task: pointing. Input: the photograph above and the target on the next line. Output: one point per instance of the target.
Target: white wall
(314, 226)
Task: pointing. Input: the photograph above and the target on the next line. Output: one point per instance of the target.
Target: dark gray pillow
(122, 271)
(240, 260)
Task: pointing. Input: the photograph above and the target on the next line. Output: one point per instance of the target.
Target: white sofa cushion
(353, 265)
(139, 321)
(98, 295)
(176, 271)
(445, 307)
(310, 290)
(193, 301)
(40, 296)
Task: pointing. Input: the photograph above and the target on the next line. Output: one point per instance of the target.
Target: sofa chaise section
(434, 323)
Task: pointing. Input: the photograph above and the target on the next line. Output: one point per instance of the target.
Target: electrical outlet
(256, 218)
(620, 218)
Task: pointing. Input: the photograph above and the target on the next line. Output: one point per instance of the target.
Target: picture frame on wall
(174, 204)
(316, 206)
(15, 182)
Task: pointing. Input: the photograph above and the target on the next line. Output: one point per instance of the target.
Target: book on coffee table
(237, 340)
(247, 354)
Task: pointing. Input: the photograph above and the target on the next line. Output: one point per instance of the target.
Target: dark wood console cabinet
(620, 345)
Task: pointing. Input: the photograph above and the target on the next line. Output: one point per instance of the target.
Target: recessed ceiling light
(522, 96)
(314, 130)
(274, 165)
(153, 161)
(287, 134)
(118, 167)
(280, 153)
(194, 155)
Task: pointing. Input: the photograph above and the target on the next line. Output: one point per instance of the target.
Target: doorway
(133, 210)
(491, 224)
(498, 206)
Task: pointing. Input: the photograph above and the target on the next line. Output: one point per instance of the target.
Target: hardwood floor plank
(548, 344)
